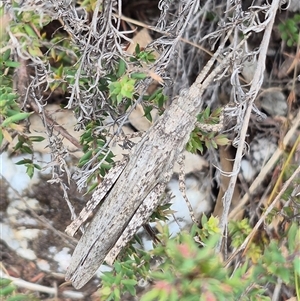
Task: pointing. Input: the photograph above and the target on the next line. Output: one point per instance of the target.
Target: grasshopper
(142, 181)
(139, 185)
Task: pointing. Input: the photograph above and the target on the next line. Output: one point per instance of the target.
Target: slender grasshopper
(138, 187)
(142, 179)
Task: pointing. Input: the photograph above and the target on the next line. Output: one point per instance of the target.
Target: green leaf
(35, 51)
(147, 114)
(129, 281)
(139, 75)
(85, 158)
(117, 293)
(131, 289)
(137, 49)
(121, 68)
(6, 55)
(284, 274)
(7, 290)
(4, 282)
(296, 263)
(203, 219)
(36, 138)
(92, 187)
(24, 161)
(10, 112)
(151, 295)
(117, 266)
(30, 170)
(105, 291)
(31, 33)
(15, 118)
(293, 234)
(26, 149)
(284, 36)
(290, 42)
(212, 143)
(37, 166)
(108, 277)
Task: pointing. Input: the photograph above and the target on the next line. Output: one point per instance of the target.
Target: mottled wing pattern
(150, 160)
(139, 218)
(97, 197)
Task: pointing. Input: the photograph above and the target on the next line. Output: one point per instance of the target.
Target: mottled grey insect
(140, 184)
(138, 188)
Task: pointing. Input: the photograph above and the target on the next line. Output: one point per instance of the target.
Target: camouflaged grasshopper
(138, 186)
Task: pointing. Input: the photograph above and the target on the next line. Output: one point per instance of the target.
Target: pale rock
(43, 264)
(63, 258)
(273, 101)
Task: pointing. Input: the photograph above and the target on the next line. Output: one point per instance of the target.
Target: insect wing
(97, 197)
(140, 217)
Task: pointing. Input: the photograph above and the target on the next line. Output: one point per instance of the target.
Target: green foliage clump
(290, 30)
(189, 269)
(210, 139)
(10, 113)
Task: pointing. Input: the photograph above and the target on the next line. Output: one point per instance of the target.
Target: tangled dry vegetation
(104, 60)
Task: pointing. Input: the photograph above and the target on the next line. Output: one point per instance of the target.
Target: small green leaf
(151, 295)
(4, 282)
(284, 36)
(30, 170)
(6, 55)
(35, 51)
(31, 33)
(147, 114)
(105, 291)
(203, 219)
(37, 166)
(211, 143)
(7, 290)
(85, 157)
(117, 293)
(15, 118)
(26, 149)
(138, 75)
(137, 49)
(131, 290)
(10, 112)
(121, 68)
(92, 187)
(59, 72)
(293, 233)
(284, 274)
(24, 161)
(129, 281)
(154, 94)
(36, 138)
